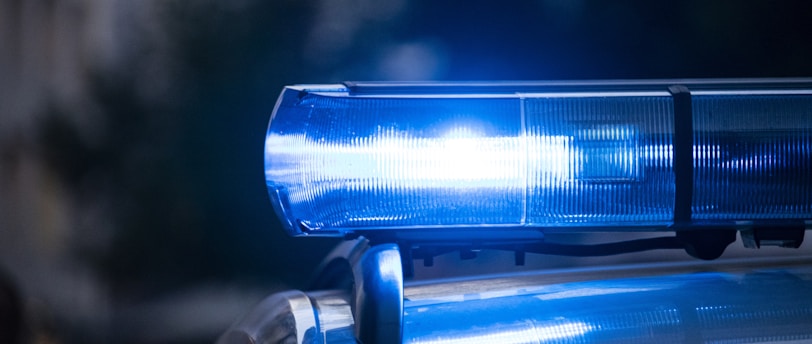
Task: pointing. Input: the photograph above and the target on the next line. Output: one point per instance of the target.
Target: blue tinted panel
(380, 162)
(752, 157)
(600, 160)
(337, 162)
(341, 162)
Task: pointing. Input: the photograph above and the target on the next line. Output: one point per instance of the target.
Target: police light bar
(510, 158)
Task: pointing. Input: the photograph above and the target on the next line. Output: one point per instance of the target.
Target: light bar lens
(337, 162)
(373, 162)
(752, 156)
(601, 160)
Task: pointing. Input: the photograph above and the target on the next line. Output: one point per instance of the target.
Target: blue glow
(338, 162)
(621, 154)
(716, 307)
(415, 162)
(608, 153)
(457, 159)
(752, 156)
(518, 333)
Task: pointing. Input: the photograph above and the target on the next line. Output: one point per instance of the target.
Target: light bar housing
(510, 159)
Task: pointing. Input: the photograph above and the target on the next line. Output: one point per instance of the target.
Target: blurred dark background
(132, 199)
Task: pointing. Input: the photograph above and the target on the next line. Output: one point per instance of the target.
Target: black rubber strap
(683, 154)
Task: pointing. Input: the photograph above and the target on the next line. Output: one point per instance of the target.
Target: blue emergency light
(418, 170)
(510, 158)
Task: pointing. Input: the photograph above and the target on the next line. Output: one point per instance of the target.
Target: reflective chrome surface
(379, 295)
(295, 317)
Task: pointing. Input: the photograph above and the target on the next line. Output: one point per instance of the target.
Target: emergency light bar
(556, 156)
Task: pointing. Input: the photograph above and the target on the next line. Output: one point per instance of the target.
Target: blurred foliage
(185, 170)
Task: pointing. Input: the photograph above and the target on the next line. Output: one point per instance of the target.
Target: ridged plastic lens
(337, 162)
(752, 156)
(607, 160)
(371, 162)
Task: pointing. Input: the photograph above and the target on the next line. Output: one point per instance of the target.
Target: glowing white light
(460, 158)
(562, 331)
(583, 292)
(393, 176)
(527, 333)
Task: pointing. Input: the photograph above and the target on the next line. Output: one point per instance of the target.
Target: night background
(133, 206)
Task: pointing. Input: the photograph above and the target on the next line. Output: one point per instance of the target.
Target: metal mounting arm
(378, 295)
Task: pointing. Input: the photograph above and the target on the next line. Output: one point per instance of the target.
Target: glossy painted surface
(769, 304)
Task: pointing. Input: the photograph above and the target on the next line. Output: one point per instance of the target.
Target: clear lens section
(752, 156)
(373, 162)
(600, 160)
(336, 162)
(343, 163)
